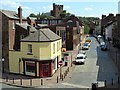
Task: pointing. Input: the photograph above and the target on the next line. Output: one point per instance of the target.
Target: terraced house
(8, 21)
(39, 55)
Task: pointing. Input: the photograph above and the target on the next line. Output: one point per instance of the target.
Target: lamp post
(3, 64)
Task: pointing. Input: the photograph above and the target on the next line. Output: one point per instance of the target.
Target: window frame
(29, 49)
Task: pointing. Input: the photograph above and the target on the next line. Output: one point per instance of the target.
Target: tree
(32, 15)
(64, 14)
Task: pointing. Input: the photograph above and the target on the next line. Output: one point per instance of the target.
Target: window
(30, 67)
(53, 48)
(57, 46)
(29, 49)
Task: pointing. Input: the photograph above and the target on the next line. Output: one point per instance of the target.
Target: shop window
(30, 67)
(29, 49)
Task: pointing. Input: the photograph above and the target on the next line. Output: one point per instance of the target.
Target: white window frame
(29, 48)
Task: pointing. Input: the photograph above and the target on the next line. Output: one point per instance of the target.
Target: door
(45, 70)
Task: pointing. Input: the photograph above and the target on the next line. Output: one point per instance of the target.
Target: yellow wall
(41, 51)
(14, 57)
(57, 53)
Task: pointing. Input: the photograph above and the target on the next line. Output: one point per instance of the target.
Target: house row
(31, 48)
(110, 26)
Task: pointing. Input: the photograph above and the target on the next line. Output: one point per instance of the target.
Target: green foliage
(64, 14)
(32, 15)
(86, 21)
(86, 29)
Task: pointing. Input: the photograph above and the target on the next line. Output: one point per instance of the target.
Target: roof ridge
(45, 34)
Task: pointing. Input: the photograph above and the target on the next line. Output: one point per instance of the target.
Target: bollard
(68, 69)
(66, 73)
(6, 78)
(112, 82)
(62, 77)
(20, 81)
(41, 81)
(105, 83)
(13, 80)
(118, 80)
(57, 79)
(30, 82)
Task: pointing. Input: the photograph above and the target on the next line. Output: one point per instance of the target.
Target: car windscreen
(79, 57)
(85, 44)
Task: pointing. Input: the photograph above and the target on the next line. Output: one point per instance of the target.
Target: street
(98, 67)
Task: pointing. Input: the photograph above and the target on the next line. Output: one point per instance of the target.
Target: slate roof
(11, 14)
(24, 25)
(43, 35)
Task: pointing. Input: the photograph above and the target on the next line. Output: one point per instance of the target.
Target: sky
(84, 8)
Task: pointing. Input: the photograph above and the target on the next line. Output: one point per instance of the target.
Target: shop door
(45, 70)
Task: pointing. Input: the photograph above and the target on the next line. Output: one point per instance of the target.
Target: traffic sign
(60, 63)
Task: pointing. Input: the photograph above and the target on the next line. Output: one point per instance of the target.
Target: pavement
(114, 53)
(32, 82)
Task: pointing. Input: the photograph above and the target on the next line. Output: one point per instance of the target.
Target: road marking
(74, 85)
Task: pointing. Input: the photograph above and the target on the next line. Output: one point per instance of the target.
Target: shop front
(39, 68)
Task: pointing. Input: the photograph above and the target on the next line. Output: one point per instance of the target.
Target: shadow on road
(107, 69)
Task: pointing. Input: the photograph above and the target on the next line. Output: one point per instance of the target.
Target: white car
(102, 43)
(80, 58)
(85, 46)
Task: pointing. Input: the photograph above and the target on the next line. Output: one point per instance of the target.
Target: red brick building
(9, 19)
(68, 29)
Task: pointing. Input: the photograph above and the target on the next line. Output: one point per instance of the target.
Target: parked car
(102, 43)
(88, 40)
(80, 58)
(85, 46)
(88, 43)
(104, 48)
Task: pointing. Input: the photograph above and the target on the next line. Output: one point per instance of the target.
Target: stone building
(57, 9)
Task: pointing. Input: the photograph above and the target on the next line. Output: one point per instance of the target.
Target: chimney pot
(20, 14)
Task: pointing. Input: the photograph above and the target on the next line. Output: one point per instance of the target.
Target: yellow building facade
(36, 58)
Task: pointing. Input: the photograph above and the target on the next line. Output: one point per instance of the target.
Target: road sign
(60, 63)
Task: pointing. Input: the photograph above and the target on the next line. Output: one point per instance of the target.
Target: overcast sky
(87, 8)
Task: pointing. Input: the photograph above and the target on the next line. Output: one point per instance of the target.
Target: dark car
(104, 48)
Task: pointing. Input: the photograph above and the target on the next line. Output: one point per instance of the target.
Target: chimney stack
(28, 29)
(20, 14)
